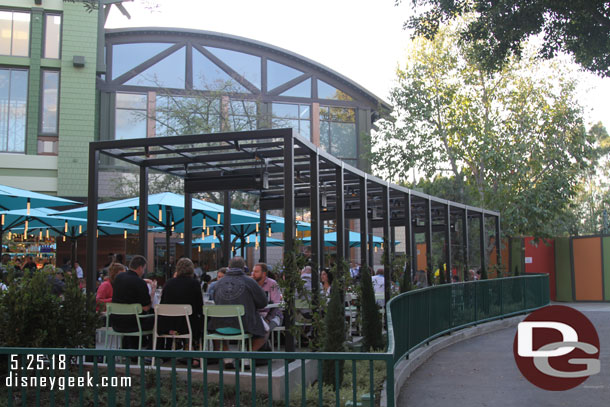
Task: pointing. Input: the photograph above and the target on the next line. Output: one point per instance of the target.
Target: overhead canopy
(15, 198)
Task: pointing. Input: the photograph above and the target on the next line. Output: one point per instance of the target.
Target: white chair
(173, 310)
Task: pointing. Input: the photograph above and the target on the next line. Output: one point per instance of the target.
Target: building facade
(55, 99)
(47, 94)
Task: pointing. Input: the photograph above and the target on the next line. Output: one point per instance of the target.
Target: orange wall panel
(588, 269)
(542, 256)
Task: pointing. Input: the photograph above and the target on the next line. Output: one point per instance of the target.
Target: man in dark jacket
(238, 288)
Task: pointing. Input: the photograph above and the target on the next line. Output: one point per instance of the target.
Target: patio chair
(172, 310)
(226, 333)
(125, 309)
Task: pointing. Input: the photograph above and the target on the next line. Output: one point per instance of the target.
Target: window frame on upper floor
(12, 30)
(46, 34)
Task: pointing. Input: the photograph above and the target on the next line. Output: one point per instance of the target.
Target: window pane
(302, 90)
(6, 29)
(187, 115)
(52, 36)
(285, 110)
(50, 86)
(13, 105)
(128, 56)
(304, 111)
(130, 124)
(167, 73)
(304, 129)
(324, 136)
(242, 115)
(209, 76)
(130, 101)
(278, 74)
(246, 65)
(343, 140)
(21, 34)
(325, 91)
(340, 114)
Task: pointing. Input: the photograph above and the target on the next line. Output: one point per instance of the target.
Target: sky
(361, 39)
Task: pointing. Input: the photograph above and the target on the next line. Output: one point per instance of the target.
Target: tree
(515, 137)
(335, 334)
(371, 319)
(500, 28)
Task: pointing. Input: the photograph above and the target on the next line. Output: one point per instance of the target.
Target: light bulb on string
(66, 227)
(214, 233)
(40, 235)
(202, 235)
(199, 249)
(10, 235)
(207, 231)
(2, 222)
(181, 235)
(204, 223)
(125, 234)
(47, 233)
(213, 245)
(269, 231)
(80, 229)
(135, 214)
(160, 215)
(257, 228)
(28, 207)
(248, 239)
(63, 238)
(218, 218)
(25, 231)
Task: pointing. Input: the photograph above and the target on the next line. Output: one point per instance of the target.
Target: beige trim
(25, 162)
(36, 184)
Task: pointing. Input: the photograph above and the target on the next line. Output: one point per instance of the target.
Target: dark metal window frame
(41, 111)
(44, 34)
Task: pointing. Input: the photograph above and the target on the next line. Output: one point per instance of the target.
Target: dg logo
(557, 348)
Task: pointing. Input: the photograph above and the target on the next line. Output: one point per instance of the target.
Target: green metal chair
(125, 309)
(226, 333)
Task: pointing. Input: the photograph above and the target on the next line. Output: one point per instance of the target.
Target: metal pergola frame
(288, 172)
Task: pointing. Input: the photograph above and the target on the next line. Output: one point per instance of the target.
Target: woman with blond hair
(104, 292)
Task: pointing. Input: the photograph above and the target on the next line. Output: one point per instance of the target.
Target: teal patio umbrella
(15, 198)
(330, 240)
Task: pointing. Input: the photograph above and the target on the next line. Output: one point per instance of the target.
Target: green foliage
(499, 28)
(39, 318)
(512, 140)
(335, 332)
(371, 317)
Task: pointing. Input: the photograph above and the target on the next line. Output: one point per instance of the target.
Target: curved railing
(417, 317)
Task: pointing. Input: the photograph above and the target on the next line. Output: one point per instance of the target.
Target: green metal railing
(417, 317)
(414, 318)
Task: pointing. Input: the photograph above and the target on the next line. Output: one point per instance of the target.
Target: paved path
(482, 372)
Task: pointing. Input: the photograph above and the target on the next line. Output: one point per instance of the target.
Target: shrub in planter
(371, 318)
(335, 334)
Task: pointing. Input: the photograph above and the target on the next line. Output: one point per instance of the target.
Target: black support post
(226, 234)
(91, 271)
(448, 243)
(263, 232)
(188, 225)
(409, 237)
(483, 246)
(387, 267)
(143, 212)
(498, 245)
(340, 217)
(429, 265)
(314, 206)
(364, 222)
(289, 227)
(466, 245)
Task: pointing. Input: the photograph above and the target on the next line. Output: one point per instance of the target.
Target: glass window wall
(52, 36)
(278, 74)
(167, 73)
(130, 116)
(176, 116)
(50, 98)
(246, 65)
(326, 91)
(15, 37)
(302, 90)
(243, 115)
(209, 76)
(289, 115)
(13, 108)
(127, 56)
(338, 132)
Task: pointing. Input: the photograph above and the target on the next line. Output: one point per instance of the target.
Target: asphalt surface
(482, 372)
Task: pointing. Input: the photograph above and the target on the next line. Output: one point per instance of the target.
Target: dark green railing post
(476, 303)
(390, 382)
(501, 296)
(428, 295)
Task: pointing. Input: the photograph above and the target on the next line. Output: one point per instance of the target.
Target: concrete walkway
(482, 372)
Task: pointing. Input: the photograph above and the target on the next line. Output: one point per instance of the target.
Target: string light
(248, 239)
(207, 231)
(202, 235)
(257, 228)
(97, 233)
(25, 231)
(80, 229)
(214, 233)
(40, 235)
(375, 249)
(204, 223)
(213, 245)
(125, 234)
(160, 215)
(218, 218)
(64, 238)
(135, 214)
(10, 235)
(181, 235)
(66, 227)
(269, 231)
(28, 207)
(199, 249)
(2, 222)
(47, 233)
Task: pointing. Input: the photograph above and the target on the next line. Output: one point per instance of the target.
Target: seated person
(104, 292)
(219, 274)
(129, 288)
(183, 289)
(272, 316)
(237, 288)
(379, 284)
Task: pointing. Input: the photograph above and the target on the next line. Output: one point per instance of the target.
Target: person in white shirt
(379, 284)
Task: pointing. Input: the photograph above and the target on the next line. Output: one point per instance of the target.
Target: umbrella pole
(168, 231)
